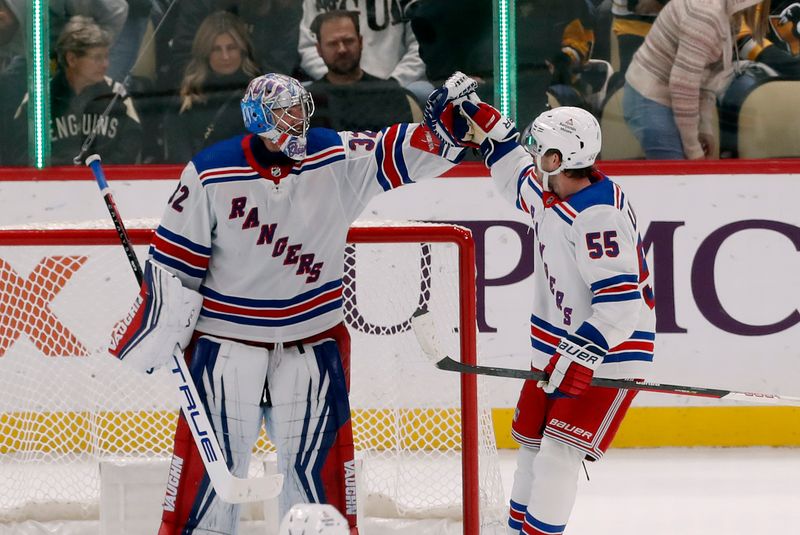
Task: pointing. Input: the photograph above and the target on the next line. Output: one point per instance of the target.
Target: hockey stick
(93, 162)
(229, 488)
(448, 364)
(426, 336)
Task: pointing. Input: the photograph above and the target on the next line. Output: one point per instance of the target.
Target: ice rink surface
(665, 491)
(697, 491)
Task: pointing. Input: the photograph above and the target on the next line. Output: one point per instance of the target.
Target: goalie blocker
(163, 315)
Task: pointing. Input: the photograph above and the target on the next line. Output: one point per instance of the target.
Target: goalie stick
(229, 488)
(426, 336)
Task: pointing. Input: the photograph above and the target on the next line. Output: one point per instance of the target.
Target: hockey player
(257, 225)
(593, 307)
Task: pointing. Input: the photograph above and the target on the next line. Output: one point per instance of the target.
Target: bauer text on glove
(488, 128)
(572, 367)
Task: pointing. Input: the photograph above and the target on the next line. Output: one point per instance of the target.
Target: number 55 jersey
(590, 272)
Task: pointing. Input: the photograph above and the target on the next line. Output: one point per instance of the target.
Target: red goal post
(18, 320)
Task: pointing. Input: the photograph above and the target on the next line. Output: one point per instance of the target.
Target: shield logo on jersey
(275, 171)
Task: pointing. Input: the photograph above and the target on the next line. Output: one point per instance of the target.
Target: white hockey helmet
(278, 108)
(573, 132)
(313, 519)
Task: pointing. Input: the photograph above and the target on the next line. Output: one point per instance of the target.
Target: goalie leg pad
(163, 314)
(309, 421)
(229, 378)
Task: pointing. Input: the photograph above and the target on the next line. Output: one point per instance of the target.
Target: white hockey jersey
(262, 238)
(590, 272)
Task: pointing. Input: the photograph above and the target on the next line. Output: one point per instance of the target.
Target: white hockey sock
(555, 484)
(521, 489)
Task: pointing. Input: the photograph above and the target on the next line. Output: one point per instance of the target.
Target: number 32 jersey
(590, 272)
(262, 237)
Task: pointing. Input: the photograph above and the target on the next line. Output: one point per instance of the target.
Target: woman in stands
(213, 84)
(686, 61)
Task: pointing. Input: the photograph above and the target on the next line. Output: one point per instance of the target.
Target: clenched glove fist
(441, 113)
(488, 129)
(572, 367)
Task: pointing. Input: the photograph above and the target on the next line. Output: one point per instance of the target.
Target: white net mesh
(65, 404)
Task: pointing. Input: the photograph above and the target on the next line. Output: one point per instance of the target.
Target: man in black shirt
(347, 97)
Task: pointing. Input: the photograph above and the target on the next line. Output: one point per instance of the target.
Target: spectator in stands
(11, 13)
(552, 50)
(222, 64)
(632, 20)
(780, 50)
(685, 62)
(13, 71)
(347, 97)
(110, 15)
(272, 25)
(80, 93)
(14, 17)
(455, 35)
(390, 48)
(125, 50)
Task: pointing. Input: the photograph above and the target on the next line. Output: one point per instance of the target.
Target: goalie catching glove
(441, 110)
(163, 314)
(572, 367)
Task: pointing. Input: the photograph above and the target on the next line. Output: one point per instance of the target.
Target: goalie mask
(313, 519)
(277, 108)
(573, 132)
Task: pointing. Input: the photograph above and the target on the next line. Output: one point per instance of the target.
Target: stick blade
(448, 364)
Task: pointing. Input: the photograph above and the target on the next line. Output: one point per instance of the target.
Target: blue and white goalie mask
(278, 108)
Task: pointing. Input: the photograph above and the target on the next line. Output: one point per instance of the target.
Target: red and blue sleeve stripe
(180, 253)
(639, 346)
(527, 178)
(619, 197)
(614, 289)
(392, 170)
(544, 336)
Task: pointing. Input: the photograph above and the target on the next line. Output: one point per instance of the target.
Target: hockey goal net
(424, 438)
